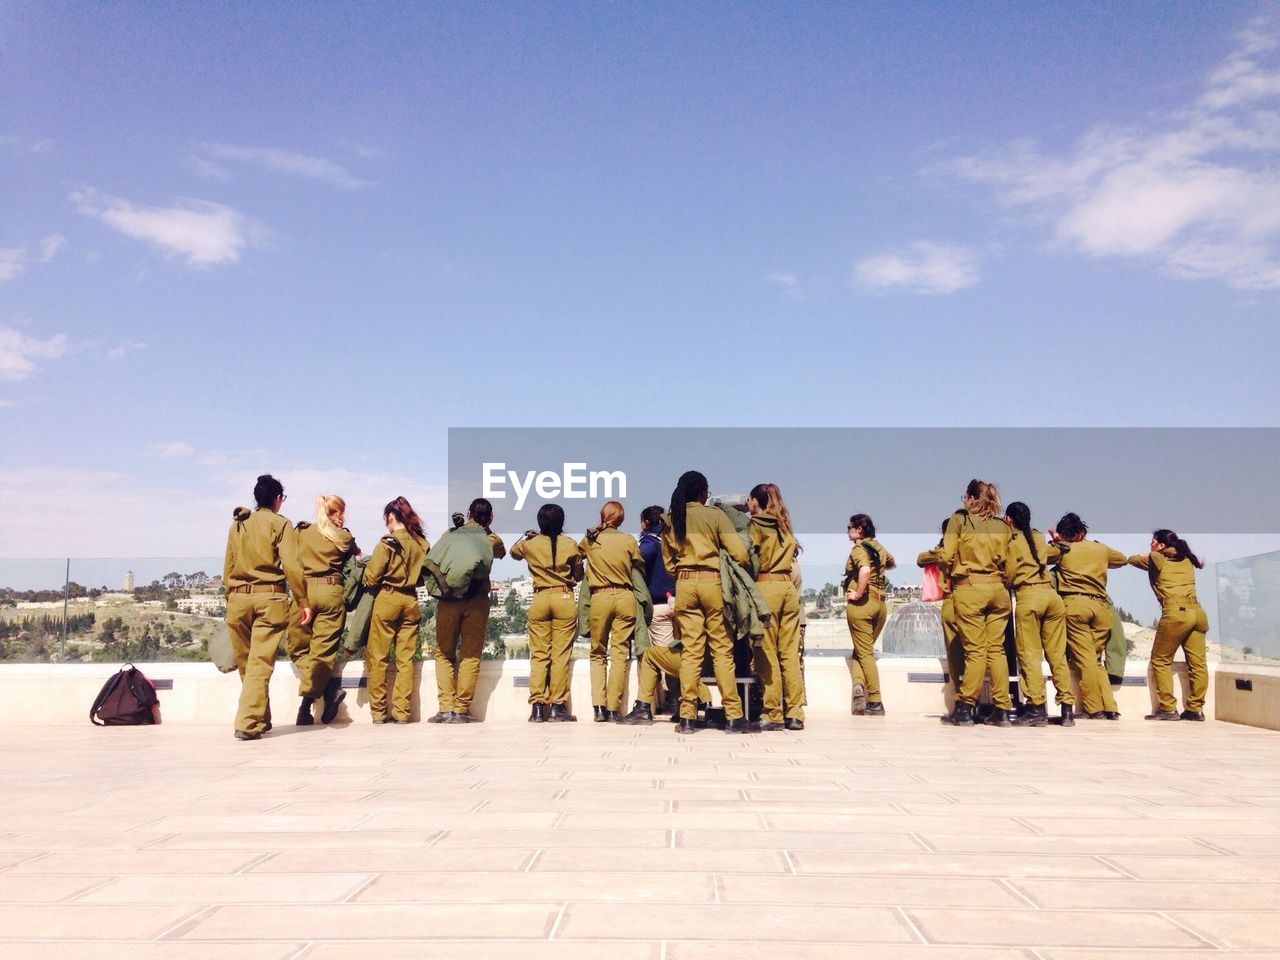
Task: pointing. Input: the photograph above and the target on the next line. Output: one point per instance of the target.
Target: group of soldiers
(700, 577)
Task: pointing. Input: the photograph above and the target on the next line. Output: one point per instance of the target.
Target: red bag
(931, 585)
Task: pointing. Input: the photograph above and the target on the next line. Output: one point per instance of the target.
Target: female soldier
(974, 547)
(460, 631)
(950, 635)
(262, 556)
(1172, 567)
(323, 547)
(555, 563)
(864, 586)
(779, 662)
(1040, 619)
(693, 535)
(1082, 582)
(395, 569)
(611, 555)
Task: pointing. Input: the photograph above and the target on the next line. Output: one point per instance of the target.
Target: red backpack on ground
(127, 699)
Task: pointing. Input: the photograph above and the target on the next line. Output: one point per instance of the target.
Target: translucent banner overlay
(1121, 480)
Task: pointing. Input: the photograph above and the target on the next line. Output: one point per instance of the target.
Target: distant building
(128, 581)
(204, 604)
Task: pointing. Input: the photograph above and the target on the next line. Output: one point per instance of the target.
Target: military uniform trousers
(700, 620)
(1182, 624)
(611, 619)
(1040, 626)
(866, 617)
(460, 633)
(553, 621)
(314, 647)
(982, 613)
(1088, 630)
(952, 643)
(777, 659)
(662, 660)
(256, 623)
(394, 621)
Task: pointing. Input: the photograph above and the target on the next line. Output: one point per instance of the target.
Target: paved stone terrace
(899, 836)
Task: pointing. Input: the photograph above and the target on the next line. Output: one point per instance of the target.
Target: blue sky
(308, 238)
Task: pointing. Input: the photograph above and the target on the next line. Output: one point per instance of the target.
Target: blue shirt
(660, 582)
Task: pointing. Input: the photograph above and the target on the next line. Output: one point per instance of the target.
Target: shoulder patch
(391, 542)
(241, 514)
(302, 524)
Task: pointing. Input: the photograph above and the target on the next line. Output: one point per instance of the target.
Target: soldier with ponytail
(555, 564)
(693, 535)
(777, 659)
(395, 570)
(1171, 567)
(611, 557)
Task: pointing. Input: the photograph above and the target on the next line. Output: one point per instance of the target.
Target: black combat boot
(1111, 714)
(560, 714)
(441, 716)
(769, 726)
(538, 713)
(333, 697)
(961, 716)
(1197, 715)
(686, 726)
(305, 719)
(641, 713)
(875, 708)
(859, 699)
(1033, 715)
(998, 717)
(791, 723)
(735, 726)
(461, 717)
(600, 714)
(1068, 715)
(1163, 715)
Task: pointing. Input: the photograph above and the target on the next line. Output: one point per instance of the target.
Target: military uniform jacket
(1174, 581)
(320, 556)
(707, 532)
(397, 561)
(640, 641)
(564, 571)
(460, 562)
(775, 551)
(1083, 568)
(1021, 569)
(973, 545)
(611, 556)
(869, 553)
(262, 549)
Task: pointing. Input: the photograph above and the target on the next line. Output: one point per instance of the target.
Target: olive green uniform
(973, 555)
(461, 625)
(553, 615)
(395, 569)
(1040, 619)
(695, 563)
(262, 556)
(611, 619)
(662, 659)
(950, 635)
(317, 642)
(777, 659)
(1082, 582)
(1182, 624)
(866, 615)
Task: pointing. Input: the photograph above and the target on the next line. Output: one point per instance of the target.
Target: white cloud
(285, 161)
(924, 267)
(13, 260)
(50, 246)
(26, 144)
(1196, 192)
(364, 151)
(201, 232)
(20, 354)
(206, 168)
(171, 450)
(124, 348)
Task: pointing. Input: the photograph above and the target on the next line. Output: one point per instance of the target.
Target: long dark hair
(1071, 526)
(266, 490)
(1181, 550)
(865, 523)
(691, 486)
(551, 524)
(401, 509)
(1020, 514)
(653, 517)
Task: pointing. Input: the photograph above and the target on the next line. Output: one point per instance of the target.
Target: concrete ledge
(1248, 694)
(62, 693)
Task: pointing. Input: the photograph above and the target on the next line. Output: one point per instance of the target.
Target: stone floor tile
(141, 861)
(1203, 869)
(1233, 930)
(885, 891)
(947, 865)
(278, 840)
(259, 888)
(1097, 846)
(1046, 928)
(135, 950)
(747, 950)
(393, 860)
(661, 861)
(1145, 895)
(475, 839)
(17, 888)
(629, 887)
(497, 950)
(795, 840)
(79, 921)
(785, 923)
(358, 921)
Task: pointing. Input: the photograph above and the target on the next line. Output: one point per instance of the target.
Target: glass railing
(1249, 609)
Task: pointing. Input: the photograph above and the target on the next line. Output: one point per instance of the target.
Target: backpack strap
(104, 693)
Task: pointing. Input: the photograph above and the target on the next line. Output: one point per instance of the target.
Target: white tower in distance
(128, 581)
